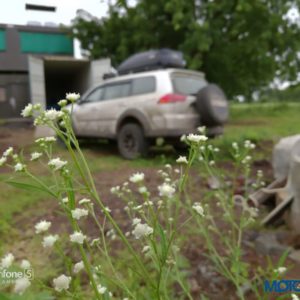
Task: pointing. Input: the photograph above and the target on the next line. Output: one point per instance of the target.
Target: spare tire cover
(212, 105)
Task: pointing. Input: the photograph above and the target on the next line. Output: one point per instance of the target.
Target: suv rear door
(189, 84)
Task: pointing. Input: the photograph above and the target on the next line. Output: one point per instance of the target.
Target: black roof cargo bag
(151, 60)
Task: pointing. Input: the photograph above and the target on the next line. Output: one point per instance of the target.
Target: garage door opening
(51, 77)
(63, 76)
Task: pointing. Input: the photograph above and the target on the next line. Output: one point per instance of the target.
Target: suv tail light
(171, 98)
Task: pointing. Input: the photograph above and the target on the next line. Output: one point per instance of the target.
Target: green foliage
(241, 45)
(290, 94)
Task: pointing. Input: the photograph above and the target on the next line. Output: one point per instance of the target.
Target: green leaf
(163, 242)
(28, 187)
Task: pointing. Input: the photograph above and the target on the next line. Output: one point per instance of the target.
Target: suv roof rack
(109, 75)
(152, 60)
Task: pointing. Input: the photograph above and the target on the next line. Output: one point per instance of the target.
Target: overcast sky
(13, 11)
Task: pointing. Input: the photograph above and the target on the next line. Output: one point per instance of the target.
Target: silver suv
(137, 108)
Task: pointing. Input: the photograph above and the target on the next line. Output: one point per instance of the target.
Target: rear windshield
(187, 84)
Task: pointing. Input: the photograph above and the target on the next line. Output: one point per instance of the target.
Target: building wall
(16, 44)
(14, 94)
(20, 41)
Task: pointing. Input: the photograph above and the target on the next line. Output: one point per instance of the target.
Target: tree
(241, 45)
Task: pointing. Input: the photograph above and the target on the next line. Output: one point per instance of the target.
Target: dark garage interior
(63, 76)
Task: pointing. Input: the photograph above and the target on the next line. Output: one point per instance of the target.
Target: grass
(260, 123)
(13, 202)
(257, 122)
(263, 123)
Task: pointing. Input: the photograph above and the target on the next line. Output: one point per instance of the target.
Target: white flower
(19, 167)
(61, 283)
(62, 124)
(65, 200)
(27, 111)
(294, 297)
(138, 207)
(79, 213)
(25, 264)
(49, 240)
(72, 97)
(146, 249)
(212, 163)
(3, 160)
(35, 155)
(201, 129)
(62, 102)
(166, 190)
(115, 189)
(84, 201)
(77, 237)
(37, 106)
(246, 159)
(7, 260)
(182, 160)
(97, 269)
(78, 267)
(57, 163)
(101, 289)
(235, 145)
(8, 151)
(42, 226)
(280, 270)
(249, 145)
(196, 138)
(141, 230)
(21, 285)
(142, 190)
(53, 114)
(107, 209)
(136, 221)
(40, 140)
(47, 139)
(50, 139)
(198, 208)
(137, 177)
(183, 138)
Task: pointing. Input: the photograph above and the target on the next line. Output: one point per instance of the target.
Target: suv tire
(131, 141)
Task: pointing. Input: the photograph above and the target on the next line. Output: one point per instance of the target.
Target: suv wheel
(131, 141)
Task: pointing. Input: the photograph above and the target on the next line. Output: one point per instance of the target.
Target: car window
(143, 85)
(114, 91)
(95, 95)
(185, 84)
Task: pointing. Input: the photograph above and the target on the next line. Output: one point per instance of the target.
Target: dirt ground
(202, 277)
